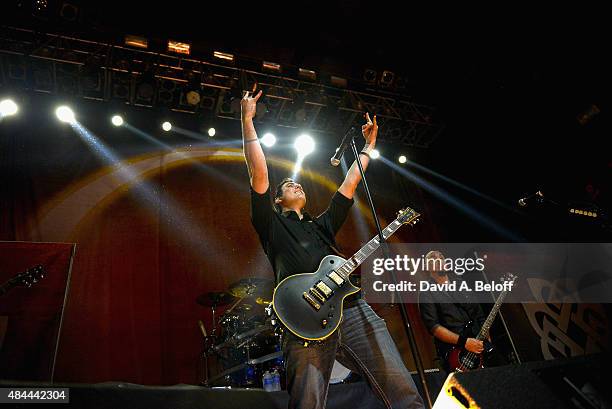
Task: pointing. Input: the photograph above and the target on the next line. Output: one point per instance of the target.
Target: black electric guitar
(310, 304)
(461, 360)
(26, 279)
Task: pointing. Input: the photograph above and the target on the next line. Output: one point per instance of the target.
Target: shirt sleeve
(333, 218)
(429, 314)
(262, 213)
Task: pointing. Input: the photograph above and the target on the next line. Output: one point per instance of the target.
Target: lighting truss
(55, 64)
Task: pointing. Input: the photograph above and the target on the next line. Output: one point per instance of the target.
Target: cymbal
(263, 300)
(252, 286)
(215, 299)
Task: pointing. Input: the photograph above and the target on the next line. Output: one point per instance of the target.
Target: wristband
(365, 153)
(461, 341)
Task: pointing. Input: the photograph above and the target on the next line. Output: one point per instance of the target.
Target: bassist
(445, 314)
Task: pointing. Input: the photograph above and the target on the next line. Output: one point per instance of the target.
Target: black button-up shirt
(451, 310)
(292, 245)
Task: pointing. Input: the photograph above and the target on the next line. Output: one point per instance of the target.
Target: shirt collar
(292, 214)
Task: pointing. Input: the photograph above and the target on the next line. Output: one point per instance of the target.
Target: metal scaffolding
(68, 66)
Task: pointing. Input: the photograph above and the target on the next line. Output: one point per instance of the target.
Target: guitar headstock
(29, 277)
(509, 277)
(408, 216)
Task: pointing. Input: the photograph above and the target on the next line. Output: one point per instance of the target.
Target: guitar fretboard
(366, 251)
(484, 331)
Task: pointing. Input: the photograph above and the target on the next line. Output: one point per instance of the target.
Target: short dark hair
(279, 188)
(279, 193)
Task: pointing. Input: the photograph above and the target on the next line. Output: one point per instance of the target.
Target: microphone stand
(385, 248)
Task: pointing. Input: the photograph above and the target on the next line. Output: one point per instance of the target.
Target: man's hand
(254, 155)
(370, 129)
(474, 345)
(248, 104)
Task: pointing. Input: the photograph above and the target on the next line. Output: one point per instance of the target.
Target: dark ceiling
(508, 83)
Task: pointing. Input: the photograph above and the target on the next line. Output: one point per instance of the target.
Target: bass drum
(339, 374)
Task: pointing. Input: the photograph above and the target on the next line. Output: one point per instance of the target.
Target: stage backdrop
(155, 227)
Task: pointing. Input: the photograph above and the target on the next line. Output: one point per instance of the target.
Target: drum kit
(245, 340)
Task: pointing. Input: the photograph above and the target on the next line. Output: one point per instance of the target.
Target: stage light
(211, 132)
(387, 78)
(136, 41)
(167, 126)
(40, 8)
(307, 74)
(193, 97)
(271, 66)
(268, 140)
(117, 120)
(223, 56)
(179, 47)
(402, 159)
(8, 107)
(375, 154)
(304, 144)
(369, 76)
(65, 114)
(581, 212)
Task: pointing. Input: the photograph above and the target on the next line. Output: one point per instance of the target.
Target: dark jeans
(362, 344)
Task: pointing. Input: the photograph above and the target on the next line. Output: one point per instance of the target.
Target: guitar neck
(355, 261)
(484, 331)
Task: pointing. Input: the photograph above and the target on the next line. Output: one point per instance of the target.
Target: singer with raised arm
(295, 243)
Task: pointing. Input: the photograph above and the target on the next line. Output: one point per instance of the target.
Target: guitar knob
(324, 323)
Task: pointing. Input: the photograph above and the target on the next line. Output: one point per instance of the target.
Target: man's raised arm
(253, 153)
(353, 176)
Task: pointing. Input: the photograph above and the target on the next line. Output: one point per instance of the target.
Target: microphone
(202, 328)
(335, 160)
(525, 200)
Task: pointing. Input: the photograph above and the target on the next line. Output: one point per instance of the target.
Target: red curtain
(145, 252)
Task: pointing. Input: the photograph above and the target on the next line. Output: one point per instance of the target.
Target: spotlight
(117, 120)
(65, 114)
(402, 159)
(387, 78)
(211, 132)
(369, 76)
(8, 107)
(178, 47)
(375, 154)
(304, 144)
(193, 97)
(167, 126)
(136, 41)
(268, 140)
(223, 56)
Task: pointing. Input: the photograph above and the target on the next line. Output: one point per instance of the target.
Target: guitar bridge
(317, 294)
(311, 301)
